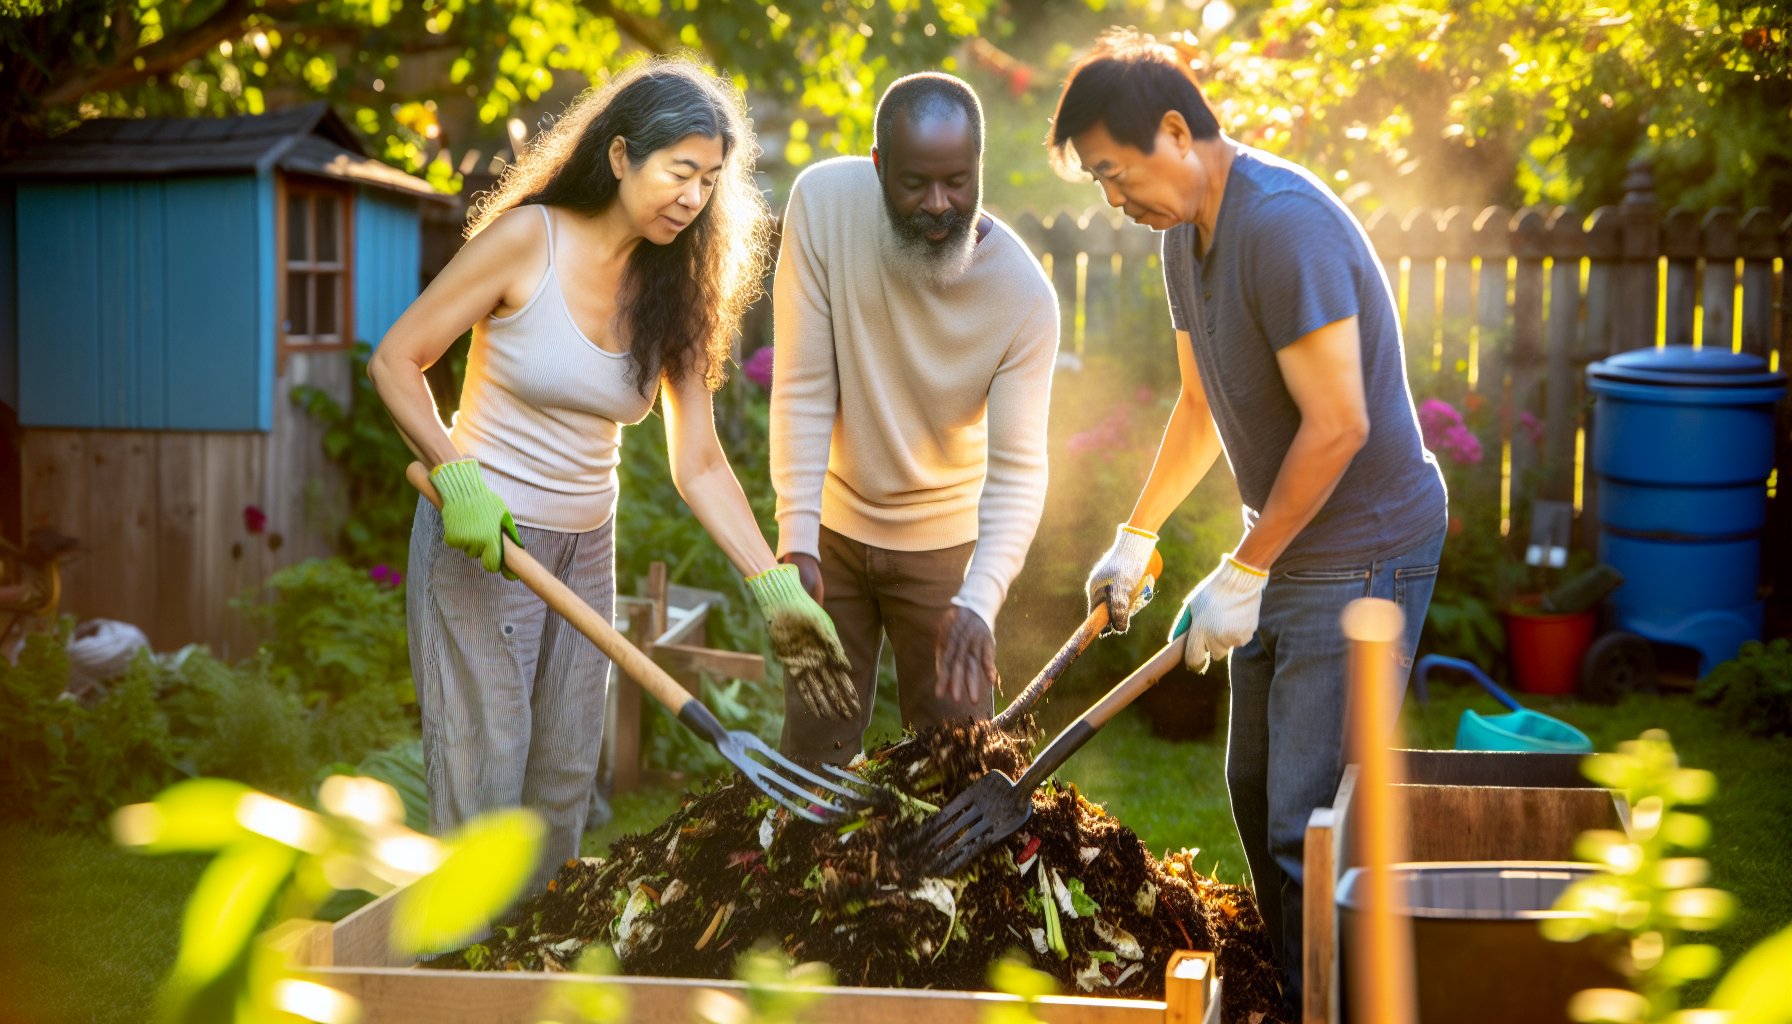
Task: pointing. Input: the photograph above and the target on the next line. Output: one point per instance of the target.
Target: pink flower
(758, 367)
(1109, 433)
(384, 574)
(1532, 426)
(1461, 444)
(254, 519)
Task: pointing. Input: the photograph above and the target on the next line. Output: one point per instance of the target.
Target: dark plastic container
(1683, 447)
(1478, 954)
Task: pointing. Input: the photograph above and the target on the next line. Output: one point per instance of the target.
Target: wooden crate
(1461, 805)
(352, 956)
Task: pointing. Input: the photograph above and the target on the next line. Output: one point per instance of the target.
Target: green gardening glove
(803, 638)
(473, 518)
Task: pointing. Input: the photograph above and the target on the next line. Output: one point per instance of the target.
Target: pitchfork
(778, 777)
(993, 808)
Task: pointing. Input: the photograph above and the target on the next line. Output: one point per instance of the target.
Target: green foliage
(363, 441)
(1649, 897)
(1754, 690)
(65, 764)
(1013, 976)
(389, 64)
(777, 990)
(272, 854)
(338, 639)
(1756, 989)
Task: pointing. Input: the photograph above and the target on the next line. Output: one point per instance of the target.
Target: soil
(731, 867)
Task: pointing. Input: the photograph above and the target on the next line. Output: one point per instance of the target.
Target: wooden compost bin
(352, 956)
(1461, 805)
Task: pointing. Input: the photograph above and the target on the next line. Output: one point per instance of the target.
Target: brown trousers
(872, 592)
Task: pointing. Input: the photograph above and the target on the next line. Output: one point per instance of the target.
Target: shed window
(316, 271)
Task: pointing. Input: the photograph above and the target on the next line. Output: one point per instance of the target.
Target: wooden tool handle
(1078, 642)
(573, 609)
(1090, 722)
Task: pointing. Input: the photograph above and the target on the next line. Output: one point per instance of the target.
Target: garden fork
(775, 775)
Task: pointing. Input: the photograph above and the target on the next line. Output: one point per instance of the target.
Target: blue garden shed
(173, 280)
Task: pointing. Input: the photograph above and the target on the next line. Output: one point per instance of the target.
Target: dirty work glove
(473, 518)
(1220, 613)
(1118, 574)
(803, 638)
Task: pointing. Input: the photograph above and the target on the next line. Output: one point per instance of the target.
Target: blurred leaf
(199, 814)
(1758, 990)
(229, 904)
(489, 862)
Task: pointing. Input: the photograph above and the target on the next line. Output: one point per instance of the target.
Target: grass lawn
(95, 926)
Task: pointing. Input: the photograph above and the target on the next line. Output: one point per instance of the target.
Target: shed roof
(308, 139)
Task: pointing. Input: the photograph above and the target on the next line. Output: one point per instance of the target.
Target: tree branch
(158, 58)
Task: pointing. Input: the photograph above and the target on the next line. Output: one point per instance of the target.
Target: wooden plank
(624, 739)
(1390, 240)
(1634, 306)
(1605, 247)
(180, 555)
(1566, 242)
(1475, 823)
(1492, 330)
(1758, 244)
(1526, 363)
(686, 658)
(657, 593)
(1318, 913)
(305, 943)
(57, 493)
(1680, 244)
(1525, 769)
(361, 938)
(1424, 245)
(233, 558)
(1458, 230)
(1718, 236)
(121, 550)
(417, 996)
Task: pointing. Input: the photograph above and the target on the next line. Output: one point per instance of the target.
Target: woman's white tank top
(542, 409)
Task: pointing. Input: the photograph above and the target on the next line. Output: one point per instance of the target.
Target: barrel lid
(1686, 366)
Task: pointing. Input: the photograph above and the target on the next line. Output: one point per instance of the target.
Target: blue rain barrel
(1683, 445)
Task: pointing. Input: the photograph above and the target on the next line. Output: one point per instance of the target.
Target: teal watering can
(1522, 730)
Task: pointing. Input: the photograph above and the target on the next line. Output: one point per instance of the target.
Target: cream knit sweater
(907, 417)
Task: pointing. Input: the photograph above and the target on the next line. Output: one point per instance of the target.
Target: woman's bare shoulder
(516, 232)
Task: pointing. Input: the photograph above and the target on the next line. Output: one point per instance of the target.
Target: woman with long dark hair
(612, 262)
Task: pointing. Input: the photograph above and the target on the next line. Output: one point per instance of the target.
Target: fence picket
(1528, 245)
(1457, 246)
(1566, 243)
(1718, 292)
(1757, 243)
(1424, 243)
(1494, 243)
(1680, 244)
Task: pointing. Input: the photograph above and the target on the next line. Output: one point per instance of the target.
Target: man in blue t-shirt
(1289, 348)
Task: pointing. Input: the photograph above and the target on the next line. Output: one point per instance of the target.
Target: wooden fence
(1507, 306)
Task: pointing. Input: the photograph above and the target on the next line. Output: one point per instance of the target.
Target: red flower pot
(1545, 650)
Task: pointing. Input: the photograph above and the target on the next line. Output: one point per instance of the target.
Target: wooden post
(1188, 986)
(657, 591)
(1458, 247)
(1493, 244)
(1718, 240)
(1528, 245)
(1318, 919)
(1423, 245)
(1757, 244)
(1567, 243)
(1382, 980)
(1680, 244)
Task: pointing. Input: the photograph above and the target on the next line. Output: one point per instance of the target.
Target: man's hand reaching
(808, 571)
(966, 658)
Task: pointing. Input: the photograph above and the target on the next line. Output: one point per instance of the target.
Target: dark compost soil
(731, 867)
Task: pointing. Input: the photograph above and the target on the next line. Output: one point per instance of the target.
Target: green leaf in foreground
(489, 861)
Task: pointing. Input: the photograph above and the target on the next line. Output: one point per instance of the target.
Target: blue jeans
(1285, 740)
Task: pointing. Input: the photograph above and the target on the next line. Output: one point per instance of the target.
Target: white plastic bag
(101, 650)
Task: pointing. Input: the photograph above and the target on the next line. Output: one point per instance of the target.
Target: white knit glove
(1220, 613)
(1117, 576)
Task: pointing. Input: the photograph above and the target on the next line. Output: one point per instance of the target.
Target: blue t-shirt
(1287, 259)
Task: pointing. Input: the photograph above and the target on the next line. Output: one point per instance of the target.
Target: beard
(921, 259)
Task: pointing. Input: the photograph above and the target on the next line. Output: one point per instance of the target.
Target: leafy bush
(1754, 690)
(338, 640)
(63, 763)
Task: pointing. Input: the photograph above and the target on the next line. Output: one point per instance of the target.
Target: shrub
(1754, 690)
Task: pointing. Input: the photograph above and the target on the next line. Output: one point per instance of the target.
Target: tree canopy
(392, 62)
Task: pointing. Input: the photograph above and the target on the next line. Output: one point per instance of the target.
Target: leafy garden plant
(1754, 689)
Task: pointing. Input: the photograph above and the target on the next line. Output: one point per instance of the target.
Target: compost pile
(1074, 888)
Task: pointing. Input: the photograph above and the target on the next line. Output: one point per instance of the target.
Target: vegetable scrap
(1075, 889)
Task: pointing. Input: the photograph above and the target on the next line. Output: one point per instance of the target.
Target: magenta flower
(1446, 434)
(1532, 426)
(254, 519)
(758, 367)
(384, 574)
